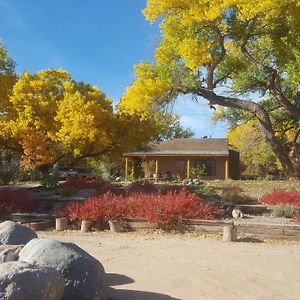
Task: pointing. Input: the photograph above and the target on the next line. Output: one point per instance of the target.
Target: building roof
(181, 147)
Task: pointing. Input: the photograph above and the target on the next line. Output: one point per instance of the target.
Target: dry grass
(255, 188)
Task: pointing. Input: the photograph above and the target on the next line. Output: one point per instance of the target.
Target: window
(180, 165)
(209, 165)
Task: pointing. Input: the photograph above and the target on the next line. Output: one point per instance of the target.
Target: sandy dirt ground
(158, 267)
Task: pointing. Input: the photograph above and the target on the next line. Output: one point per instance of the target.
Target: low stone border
(40, 225)
(33, 220)
(269, 231)
(140, 224)
(253, 230)
(254, 209)
(23, 217)
(208, 226)
(244, 229)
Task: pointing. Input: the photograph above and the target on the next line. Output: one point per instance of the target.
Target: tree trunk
(290, 165)
(295, 155)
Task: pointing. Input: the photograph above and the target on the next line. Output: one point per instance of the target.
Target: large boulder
(15, 234)
(9, 252)
(23, 281)
(83, 273)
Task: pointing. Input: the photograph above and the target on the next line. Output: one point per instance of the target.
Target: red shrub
(279, 196)
(173, 208)
(83, 183)
(97, 207)
(18, 202)
(165, 210)
(72, 210)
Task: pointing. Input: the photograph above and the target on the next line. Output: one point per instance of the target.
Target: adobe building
(177, 157)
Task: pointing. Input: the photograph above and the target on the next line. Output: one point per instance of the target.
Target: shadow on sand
(113, 279)
(250, 240)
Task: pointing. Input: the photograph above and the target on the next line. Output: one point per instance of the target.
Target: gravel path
(248, 219)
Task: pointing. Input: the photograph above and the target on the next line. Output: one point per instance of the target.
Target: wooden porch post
(126, 168)
(226, 168)
(156, 170)
(188, 169)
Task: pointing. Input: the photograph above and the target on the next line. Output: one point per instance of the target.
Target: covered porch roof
(184, 147)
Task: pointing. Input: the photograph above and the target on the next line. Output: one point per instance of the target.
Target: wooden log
(207, 228)
(85, 226)
(115, 226)
(61, 224)
(140, 225)
(229, 233)
(40, 225)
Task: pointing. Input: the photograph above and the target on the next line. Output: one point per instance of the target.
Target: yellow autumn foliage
(256, 155)
(191, 31)
(54, 118)
(185, 20)
(203, 11)
(142, 97)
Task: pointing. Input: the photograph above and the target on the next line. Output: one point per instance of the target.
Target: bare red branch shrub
(166, 210)
(279, 196)
(18, 202)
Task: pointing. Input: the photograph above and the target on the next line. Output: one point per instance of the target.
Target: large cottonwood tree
(226, 51)
(8, 78)
(49, 117)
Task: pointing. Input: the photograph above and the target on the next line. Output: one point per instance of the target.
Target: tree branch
(256, 110)
(273, 82)
(275, 89)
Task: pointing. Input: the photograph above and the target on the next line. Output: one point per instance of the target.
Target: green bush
(50, 180)
(205, 190)
(9, 167)
(25, 176)
(285, 211)
(198, 172)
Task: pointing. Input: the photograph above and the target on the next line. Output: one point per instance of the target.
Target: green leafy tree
(256, 156)
(198, 172)
(148, 167)
(168, 127)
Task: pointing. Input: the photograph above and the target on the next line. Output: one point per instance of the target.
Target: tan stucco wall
(178, 165)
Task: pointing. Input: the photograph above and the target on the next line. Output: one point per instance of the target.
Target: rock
(8, 255)
(15, 234)
(187, 181)
(237, 214)
(83, 274)
(10, 252)
(196, 181)
(119, 179)
(23, 281)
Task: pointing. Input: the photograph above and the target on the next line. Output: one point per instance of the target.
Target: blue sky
(96, 41)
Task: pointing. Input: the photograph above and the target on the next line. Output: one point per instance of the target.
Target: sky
(98, 42)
